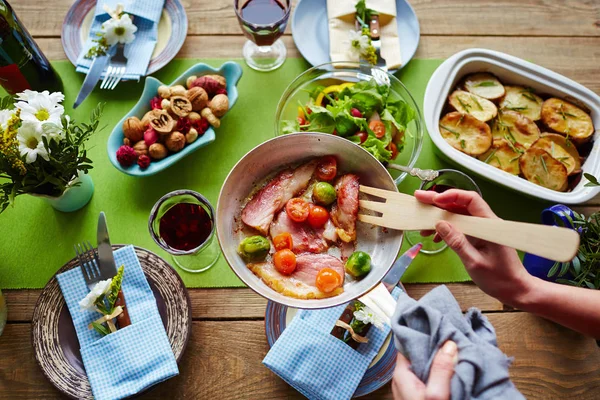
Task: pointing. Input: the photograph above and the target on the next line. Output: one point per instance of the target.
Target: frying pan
(272, 156)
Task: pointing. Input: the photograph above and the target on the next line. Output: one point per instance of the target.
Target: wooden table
(223, 358)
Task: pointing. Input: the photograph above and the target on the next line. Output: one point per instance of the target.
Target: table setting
(258, 183)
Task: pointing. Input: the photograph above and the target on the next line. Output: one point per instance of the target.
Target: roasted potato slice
(523, 101)
(516, 128)
(568, 119)
(560, 149)
(466, 133)
(485, 85)
(538, 166)
(469, 103)
(503, 155)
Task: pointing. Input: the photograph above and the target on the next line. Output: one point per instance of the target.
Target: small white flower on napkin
(367, 316)
(359, 43)
(119, 30)
(101, 288)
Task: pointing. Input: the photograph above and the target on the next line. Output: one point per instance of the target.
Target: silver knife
(107, 265)
(93, 76)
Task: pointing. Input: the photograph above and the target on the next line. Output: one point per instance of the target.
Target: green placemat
(36, 240)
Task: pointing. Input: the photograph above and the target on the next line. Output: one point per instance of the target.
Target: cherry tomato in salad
(317, 216)
(378, 128)
(283, 241)
(328, 280)
(363, 136)
(356, 113)
(327, 168)
(301, 121)
(297, 209)
(394, 149)
(285, 261)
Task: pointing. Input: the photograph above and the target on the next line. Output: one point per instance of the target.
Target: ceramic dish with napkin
(341, 15)
(133, 358)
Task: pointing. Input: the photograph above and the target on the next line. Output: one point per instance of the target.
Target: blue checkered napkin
(133, 358)
(146, 14)
(317, 364)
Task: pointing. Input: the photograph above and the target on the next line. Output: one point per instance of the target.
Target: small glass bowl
(447, 177)
(298, 92)
(200, 258)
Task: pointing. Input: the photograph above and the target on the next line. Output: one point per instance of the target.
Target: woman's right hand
(496, 269)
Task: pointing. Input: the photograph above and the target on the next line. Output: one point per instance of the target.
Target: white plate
(515, 71)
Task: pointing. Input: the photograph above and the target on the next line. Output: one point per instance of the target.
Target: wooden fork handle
(123, 318)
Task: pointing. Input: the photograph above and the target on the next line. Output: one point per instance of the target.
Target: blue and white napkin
(134, 358)
(315, 363)
(146, 15)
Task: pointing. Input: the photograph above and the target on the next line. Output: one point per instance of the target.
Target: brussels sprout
(358, 264)
(324, 193)
(254, 247)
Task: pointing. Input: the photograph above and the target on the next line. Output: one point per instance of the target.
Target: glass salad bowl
(344, 99)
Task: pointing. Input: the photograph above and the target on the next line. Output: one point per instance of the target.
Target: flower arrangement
(118, 29)
(360, 41)
(363, 317)
(41, 149)
(102, 298)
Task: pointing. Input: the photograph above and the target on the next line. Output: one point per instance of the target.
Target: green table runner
(36, 240)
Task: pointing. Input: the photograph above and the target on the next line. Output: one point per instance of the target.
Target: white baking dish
(511, 71)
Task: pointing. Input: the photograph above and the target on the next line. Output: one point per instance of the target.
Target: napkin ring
(356, 337)
(109, 319)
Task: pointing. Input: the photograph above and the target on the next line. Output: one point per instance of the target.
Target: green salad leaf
(290, 126)
(377, 148)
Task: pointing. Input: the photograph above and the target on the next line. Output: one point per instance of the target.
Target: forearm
(573, 307)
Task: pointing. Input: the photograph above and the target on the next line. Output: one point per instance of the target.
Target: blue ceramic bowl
(230, 70)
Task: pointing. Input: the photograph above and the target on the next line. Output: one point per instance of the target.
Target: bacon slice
(263, 206)
(304, 237)
(345, 212)
(300, 284)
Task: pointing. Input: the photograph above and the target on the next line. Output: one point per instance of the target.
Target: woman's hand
(406, 385)
(496, 269)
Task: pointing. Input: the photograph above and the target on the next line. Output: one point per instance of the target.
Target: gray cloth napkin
(422, 327)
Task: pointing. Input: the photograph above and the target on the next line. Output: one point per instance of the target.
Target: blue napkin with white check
(134, 358)
(315, 363)
(146, 15)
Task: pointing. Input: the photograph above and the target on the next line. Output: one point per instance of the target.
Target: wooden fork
(404, 212)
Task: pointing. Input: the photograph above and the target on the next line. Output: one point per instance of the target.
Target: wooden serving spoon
(404, 212)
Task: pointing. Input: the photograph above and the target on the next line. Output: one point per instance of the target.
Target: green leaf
(377, 148)
(564, 268)
(593, 181)
(101, 329)
(320, 120)
(290, 126)
(553, 270)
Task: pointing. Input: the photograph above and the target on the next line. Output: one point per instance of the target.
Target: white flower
(367, 316)
(359, 43)
(101, 288)
(41, 108)
(53, 131)
(27, 95)
(120, 30)
(5, 116)
(30, 142)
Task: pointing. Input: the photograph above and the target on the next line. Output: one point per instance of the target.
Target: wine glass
(182, 223)
(263, 22)
(447, 179)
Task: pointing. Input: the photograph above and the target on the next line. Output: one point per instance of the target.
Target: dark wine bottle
(22, 63)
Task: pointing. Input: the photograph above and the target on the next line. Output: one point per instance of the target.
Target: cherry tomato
(363, 136)
(394, 149)
(285, 261)
(378, 128)
(297, 209)
(328, 280)
(301, 121)
(327, 168)
(317, 216)
(283, 241)
(356, 113)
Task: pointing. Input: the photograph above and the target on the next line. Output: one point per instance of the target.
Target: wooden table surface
(223, 358)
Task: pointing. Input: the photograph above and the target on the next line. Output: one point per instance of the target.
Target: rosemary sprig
(544, 164)
(463, 104)
(486, 84)
(463, 144)
(529, 96)
(477, 102)
(451, 131)
(516, 108)
(489, 157)
(538, 179)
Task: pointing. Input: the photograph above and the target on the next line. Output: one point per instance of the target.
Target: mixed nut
(178, 116)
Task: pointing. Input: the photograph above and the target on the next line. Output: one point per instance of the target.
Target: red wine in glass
(440, 188)
(185, 226)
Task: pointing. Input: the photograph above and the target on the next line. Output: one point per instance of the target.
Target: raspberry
(207, 83)
(150, 136)
(143, 161)
(155, 103)
(222, 91)
(126, 156)
(201, 126)
(183, 125)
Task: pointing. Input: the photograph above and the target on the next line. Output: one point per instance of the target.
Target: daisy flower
(121, 30)
(41, 108)
(101, 288)
(367, 316)
(359, 43)
(5, 116)
(30, 142)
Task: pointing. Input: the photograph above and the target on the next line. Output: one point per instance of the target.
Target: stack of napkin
(341, 15)
(131, 359)
(146, 15)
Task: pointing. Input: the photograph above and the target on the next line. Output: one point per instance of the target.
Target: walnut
(190, 80)
(133, 129)
(219, 78)
(162, 122)
(219, 105)
(175, 141)
(158, 151)
(146, 118)
(198, 97)
(180, 106)
(178, 90)
(141, 148)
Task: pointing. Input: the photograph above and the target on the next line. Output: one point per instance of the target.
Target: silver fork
(116, 69)
(88, 260)
(376, 41)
